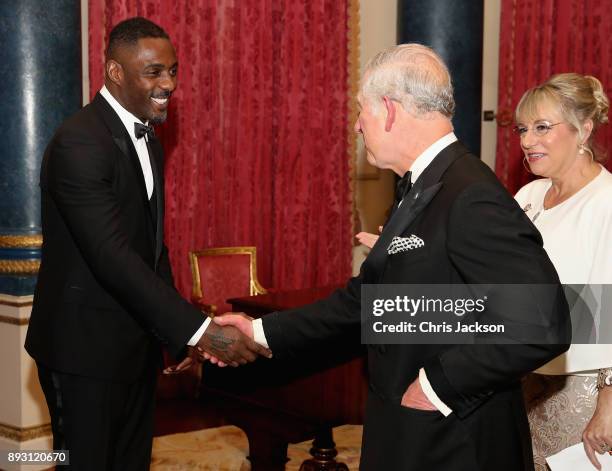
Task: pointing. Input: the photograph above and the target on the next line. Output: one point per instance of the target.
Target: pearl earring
(581, 151)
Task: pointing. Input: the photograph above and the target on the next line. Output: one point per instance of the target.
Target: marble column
(41, 86)
(454, 29)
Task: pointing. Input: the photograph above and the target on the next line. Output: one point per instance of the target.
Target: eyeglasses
(539, 128)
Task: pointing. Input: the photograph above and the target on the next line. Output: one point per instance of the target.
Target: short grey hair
(413, 75)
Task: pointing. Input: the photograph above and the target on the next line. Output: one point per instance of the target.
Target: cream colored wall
(23, 412)
(373, 196)
(490, 64)
(22, 403)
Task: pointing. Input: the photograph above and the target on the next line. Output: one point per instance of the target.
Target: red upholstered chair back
(223, 273)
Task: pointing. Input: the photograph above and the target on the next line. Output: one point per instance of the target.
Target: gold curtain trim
(507, 150)
(13, 267)
(20, 241)
(352, 89)
(19, 434)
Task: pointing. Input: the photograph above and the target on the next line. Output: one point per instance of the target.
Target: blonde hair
(413, 75)
(580, 98)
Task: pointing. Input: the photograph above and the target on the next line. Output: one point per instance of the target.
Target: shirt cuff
(431, 394)
(198, 335)
(259, 336)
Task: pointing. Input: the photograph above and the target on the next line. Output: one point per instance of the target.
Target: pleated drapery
(539, 38)
(256, 139)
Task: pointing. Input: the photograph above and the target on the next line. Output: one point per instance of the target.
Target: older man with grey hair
(434, 407)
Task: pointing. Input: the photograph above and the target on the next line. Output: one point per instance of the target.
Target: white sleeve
(601, 270)
(194, 340)
(259, 336)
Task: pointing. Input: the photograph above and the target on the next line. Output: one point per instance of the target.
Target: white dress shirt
(420, 164)
(423, 160)
(128, 120)
(577, 238)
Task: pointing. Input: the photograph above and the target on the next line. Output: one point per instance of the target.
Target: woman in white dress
(570, 398)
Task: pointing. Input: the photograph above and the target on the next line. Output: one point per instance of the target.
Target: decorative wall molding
(14, 320)
(21, 241)
(16, 301)
(23, 434)
(16, 267)
(14, 309)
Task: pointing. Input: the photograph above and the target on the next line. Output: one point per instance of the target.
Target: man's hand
(415, 398)
(598, 432)
(239, 320)
(229, 345)
(184, 365)
(368, 239)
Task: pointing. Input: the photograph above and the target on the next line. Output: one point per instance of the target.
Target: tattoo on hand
(220, 342)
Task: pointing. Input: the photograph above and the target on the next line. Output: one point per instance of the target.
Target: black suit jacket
(474, 233)
(104, 301)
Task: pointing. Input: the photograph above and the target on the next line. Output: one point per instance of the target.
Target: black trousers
(105, 425)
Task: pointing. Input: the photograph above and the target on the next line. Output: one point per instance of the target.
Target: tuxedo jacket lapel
(417, 199)
(124, 142)
(413, 204)
(155, 153)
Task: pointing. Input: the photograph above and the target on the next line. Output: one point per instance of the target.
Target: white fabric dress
(577, 236)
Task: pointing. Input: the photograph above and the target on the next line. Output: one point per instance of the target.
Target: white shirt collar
(140, 145)
(423, 160)
(127, 118)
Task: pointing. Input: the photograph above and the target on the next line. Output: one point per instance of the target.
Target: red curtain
(539, 38)
(256, 138)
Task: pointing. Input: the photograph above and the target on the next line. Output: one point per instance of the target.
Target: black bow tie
(141, 129)
(403, 187)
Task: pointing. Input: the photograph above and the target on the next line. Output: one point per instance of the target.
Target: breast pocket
(409, 256)
(406, 267)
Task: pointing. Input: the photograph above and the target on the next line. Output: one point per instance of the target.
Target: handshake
(228, 340)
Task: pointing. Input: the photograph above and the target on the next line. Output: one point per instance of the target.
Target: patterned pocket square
(403, 244)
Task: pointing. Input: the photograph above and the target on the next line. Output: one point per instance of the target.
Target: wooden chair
(222, 273)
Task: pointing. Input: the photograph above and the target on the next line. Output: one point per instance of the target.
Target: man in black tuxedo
(436, 407)
(105, 301)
